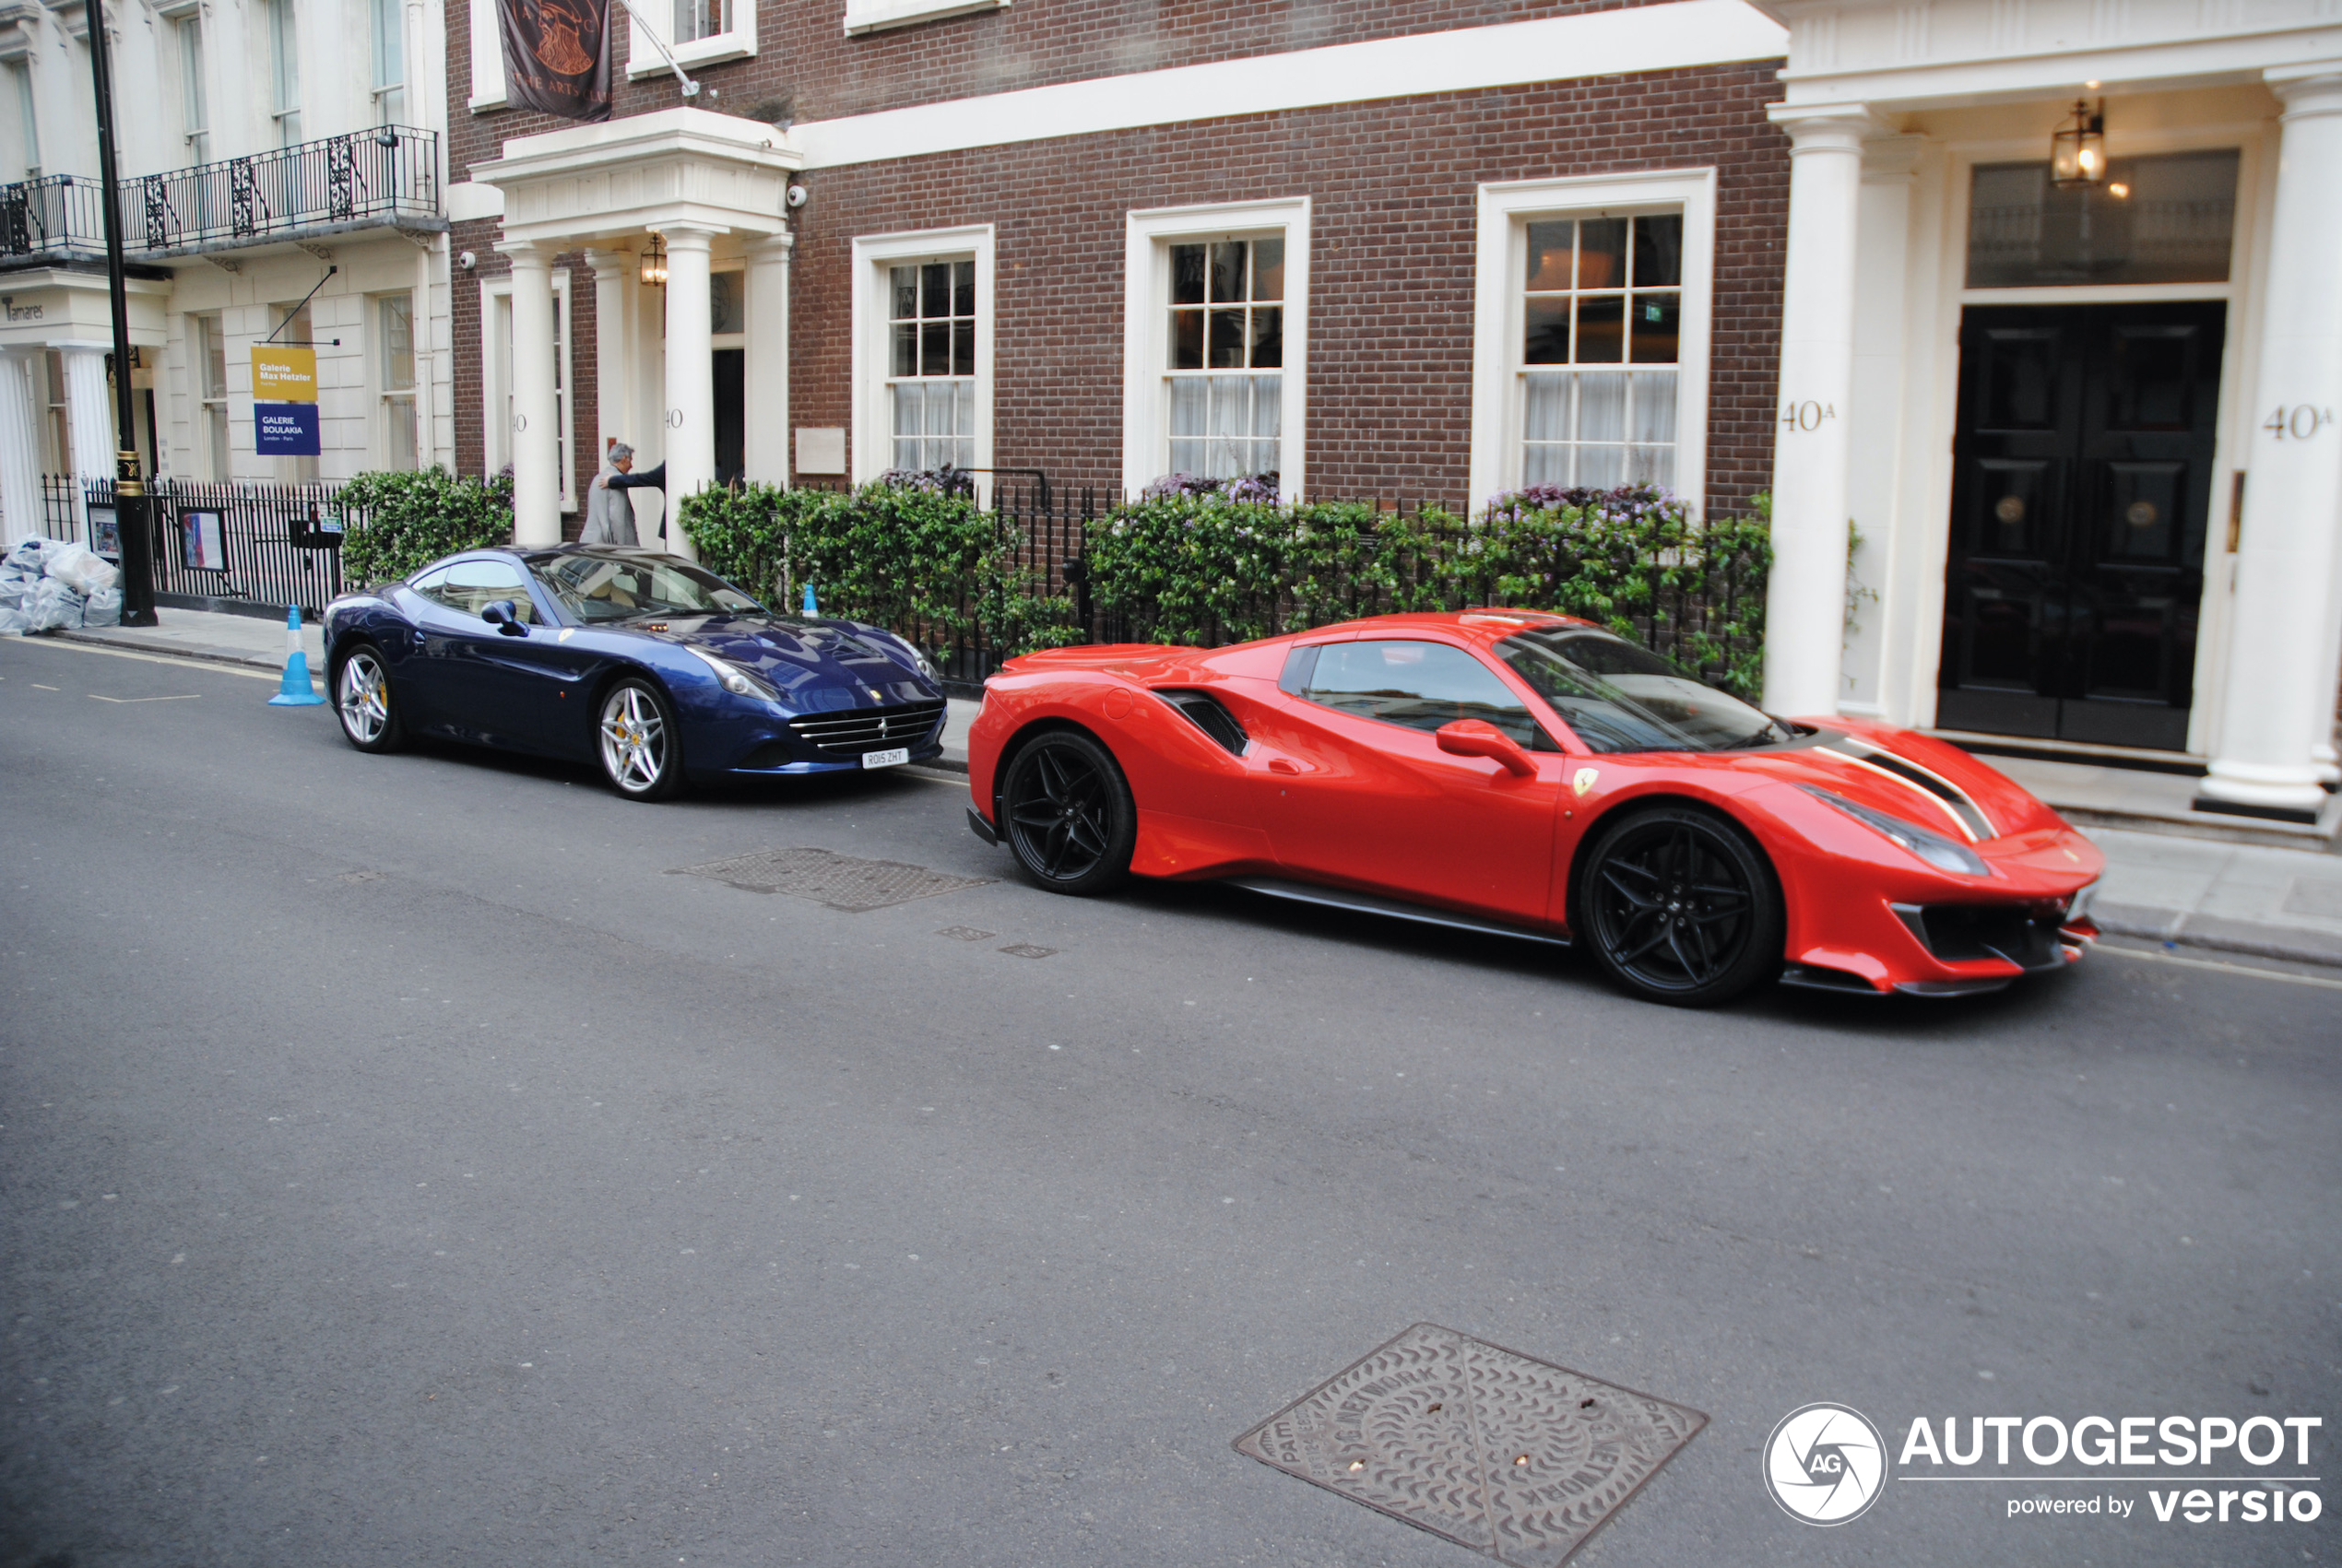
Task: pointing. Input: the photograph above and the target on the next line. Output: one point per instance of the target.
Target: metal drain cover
(839, 881)
(1516, 1459)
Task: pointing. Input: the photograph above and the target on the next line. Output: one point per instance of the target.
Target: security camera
(464, 259)
(798, 196)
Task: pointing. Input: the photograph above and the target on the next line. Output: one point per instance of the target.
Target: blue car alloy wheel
(640, 750)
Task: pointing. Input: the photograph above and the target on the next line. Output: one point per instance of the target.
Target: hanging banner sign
(284, 401)
(557, 55)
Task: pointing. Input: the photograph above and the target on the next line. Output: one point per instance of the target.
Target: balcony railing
(382, 174)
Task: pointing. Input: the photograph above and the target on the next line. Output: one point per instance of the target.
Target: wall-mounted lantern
(2077, 150)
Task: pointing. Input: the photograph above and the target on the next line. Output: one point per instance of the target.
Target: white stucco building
(261, 143)
(2088, 433)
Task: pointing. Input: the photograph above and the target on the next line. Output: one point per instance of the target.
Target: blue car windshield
(1618, 697)
(608, 587)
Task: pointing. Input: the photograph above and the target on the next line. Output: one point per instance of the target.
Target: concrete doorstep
(2223, 887)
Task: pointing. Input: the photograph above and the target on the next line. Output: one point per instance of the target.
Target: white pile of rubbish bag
(48, 584)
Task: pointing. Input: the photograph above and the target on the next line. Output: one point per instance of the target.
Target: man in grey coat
(609, 511)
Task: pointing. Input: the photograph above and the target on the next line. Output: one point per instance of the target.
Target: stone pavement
(2171, 876)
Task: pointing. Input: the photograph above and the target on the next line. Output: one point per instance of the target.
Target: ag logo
(1825, 1464)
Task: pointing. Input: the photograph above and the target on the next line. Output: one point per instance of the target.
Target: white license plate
(886, 758)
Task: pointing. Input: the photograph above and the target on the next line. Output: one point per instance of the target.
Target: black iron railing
(385, 173)
(273, 545)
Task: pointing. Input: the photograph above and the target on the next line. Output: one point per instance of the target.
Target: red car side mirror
(1478, 737)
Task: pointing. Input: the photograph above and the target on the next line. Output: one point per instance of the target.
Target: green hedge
(918, 560)
(404, 521)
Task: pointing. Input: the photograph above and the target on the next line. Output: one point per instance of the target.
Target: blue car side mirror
(504, 616)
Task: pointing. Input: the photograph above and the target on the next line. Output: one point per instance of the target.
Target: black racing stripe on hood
(1941, 788)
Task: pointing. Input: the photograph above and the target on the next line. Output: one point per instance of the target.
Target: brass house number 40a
(2298, 423)
(1806, 415)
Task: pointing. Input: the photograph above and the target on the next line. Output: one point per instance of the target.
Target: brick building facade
(1439, 250)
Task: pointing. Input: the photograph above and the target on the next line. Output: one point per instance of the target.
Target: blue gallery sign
(285, 430)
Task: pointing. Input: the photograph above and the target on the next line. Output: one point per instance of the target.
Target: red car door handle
(1279, 765)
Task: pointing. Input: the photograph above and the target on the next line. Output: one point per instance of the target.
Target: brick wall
(805, 58)
(1393, 189)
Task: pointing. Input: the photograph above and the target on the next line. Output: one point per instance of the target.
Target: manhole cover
(839, 881)
(965, 932)
(1026, 949)
(1514, 1457)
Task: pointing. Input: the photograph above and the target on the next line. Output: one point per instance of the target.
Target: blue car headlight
(918, 660)
(1944, 855)
(734, 679)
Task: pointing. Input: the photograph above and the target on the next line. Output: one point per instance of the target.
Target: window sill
(879, 16)
(738, 44)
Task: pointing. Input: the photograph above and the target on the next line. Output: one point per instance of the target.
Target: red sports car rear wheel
(1068, 814)
(1679, 907)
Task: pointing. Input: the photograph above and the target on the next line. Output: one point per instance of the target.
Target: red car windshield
(1622, 698)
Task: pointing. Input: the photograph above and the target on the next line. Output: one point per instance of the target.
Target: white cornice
(1911, 53)
(676, 166)
(1593, 43)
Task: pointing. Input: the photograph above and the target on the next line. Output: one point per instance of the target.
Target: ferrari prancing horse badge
(1584, 781)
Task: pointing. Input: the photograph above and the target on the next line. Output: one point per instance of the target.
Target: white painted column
(537, 482)
(1805, 598)
(768, 350)
(90, 412)
(691, 376)
(90, 423)
(1875, 416)
(20, 512)
(613, 349)
(2277, 701)
(425, 342)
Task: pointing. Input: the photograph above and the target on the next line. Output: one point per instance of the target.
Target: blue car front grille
(867, 729)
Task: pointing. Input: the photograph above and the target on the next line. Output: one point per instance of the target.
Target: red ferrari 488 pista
(1529, 774)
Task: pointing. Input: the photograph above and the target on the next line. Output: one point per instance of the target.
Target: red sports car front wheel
(1068, 814)
(1679, 907)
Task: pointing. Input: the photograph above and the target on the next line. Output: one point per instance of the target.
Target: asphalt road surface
(402, 1165)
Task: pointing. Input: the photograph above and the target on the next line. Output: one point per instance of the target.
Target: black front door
(2081, 483)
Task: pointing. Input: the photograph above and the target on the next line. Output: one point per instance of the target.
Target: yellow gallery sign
(284, 375)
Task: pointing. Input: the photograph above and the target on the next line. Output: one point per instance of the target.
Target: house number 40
(2300, 422)
(1806, 415)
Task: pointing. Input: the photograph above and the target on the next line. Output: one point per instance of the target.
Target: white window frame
(872, 449)
(190, 50)
(386, 24)
(643, 58)
(488, 59)
(495, 379)
(386, 397)
(1500, 263)
(1146, 328)
(280, 40)
(213, 463)
(18, 70)
(877, 15)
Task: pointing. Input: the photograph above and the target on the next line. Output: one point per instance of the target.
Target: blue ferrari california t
(637, 661)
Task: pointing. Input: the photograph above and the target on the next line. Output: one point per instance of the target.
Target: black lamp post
(131, 513)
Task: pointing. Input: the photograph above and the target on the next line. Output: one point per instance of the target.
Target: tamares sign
(557, 55)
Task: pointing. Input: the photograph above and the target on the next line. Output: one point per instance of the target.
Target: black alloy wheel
(1680, 907)
(1069, 815)
(361, 685)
